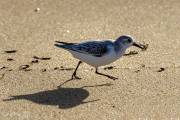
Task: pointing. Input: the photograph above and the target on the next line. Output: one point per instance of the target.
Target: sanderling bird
(98, 52)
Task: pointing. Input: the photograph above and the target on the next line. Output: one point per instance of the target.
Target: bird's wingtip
(57, 45)
(65, 43)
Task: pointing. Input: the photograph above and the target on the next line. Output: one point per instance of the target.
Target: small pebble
(2, 76)
(137, 71)
(27, 69)
(142, 65)
(37, 10)
(43, 70)
(113, 106)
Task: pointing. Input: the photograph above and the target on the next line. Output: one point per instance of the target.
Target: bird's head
(126, 41)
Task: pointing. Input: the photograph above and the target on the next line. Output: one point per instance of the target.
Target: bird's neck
(120, 50)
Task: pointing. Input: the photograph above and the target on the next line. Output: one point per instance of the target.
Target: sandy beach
(32, 69)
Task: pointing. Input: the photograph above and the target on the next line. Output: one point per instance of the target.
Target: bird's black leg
(111, 77)
(74, 74)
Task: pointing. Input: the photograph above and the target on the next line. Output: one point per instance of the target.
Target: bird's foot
(72, 78)
(75, 77)
(111, 77)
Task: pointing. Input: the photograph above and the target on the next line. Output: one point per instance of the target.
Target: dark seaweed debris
(34, 61)
(145, 46)
(45, 58)
(137, 71)
(10, 51)
(131, 53)
(3, 67)
(109, 68)
(41, 58)
(56, 68)
(161, 70)
(10, 59)
(68, 69)
(62, 68)
(24, 67)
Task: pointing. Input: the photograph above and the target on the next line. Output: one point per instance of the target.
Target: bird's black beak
(137, 45)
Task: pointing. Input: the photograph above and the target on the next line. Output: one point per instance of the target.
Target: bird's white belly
(96, 61)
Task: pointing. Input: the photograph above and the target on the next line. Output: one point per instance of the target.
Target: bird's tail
(64, 45)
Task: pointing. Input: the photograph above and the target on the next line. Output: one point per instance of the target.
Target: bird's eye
(129, 40)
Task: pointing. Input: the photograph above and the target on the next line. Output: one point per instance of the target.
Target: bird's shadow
(63, 97)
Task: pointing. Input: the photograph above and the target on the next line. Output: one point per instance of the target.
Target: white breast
(108, 58)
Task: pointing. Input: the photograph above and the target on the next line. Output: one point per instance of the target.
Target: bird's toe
(113, 78)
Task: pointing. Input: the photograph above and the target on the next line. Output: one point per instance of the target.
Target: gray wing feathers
(94, 48)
